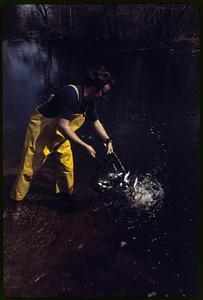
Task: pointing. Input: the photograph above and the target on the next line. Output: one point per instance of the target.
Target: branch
(43, 12)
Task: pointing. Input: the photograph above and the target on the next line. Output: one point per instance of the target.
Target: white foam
(145, 193)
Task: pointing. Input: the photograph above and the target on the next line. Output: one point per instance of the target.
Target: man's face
(103, 92)
(94, 94)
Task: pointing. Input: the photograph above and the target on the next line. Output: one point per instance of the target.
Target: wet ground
(95, 247)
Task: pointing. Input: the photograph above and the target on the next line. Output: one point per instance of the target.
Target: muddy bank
(89, 248)
(55, 251)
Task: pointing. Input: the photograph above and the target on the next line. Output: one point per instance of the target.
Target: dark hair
(99, 78)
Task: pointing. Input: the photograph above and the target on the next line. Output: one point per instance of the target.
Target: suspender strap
(76, 89)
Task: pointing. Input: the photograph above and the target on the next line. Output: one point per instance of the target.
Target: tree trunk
(180, 23)
(110, 33)
(115, 30)
(43, 12)
(70, 20)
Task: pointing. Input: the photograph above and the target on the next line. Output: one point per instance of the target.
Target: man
(53, 125)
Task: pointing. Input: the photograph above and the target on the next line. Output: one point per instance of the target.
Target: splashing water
(134, 199)
(144, 193)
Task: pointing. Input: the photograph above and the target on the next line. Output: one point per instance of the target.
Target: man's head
(97, 83)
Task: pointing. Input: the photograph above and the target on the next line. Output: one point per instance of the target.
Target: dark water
(153, 118)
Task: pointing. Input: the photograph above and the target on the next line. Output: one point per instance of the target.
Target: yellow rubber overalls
(43, 138)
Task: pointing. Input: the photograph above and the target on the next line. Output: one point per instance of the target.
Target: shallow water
(153, 118)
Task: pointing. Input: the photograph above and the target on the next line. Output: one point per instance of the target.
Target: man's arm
(68, 133)
(100, 130)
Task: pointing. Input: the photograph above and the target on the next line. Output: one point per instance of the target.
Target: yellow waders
(42, 138)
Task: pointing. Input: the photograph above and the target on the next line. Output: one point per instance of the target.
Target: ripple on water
(144, 197)
(147, 195)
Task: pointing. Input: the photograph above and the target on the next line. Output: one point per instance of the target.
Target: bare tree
(42, 9)
(70, 19)
(108, 22)
(143, 24)
(180, 22)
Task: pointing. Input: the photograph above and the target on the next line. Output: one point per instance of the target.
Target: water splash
(145, 193)
(137, 203)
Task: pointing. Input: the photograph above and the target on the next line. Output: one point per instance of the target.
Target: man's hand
(90, 150)
(65, 129)
(103, 135)
(109, 148)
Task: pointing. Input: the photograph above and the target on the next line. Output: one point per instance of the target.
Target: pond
(153, 117)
